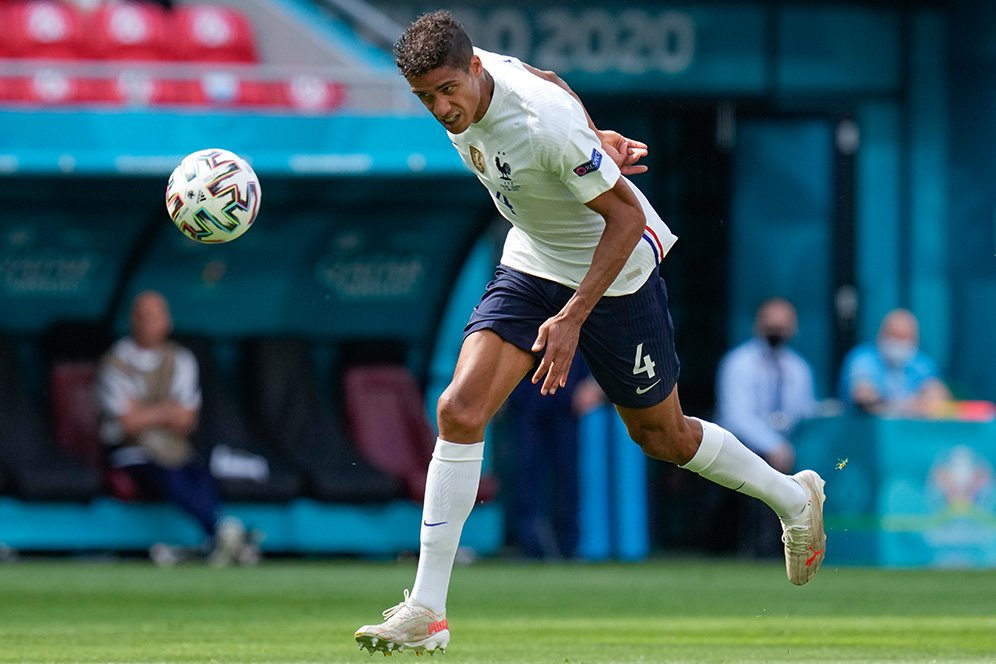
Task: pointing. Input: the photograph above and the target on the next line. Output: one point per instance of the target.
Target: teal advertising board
(330, 258)
(906, 493)
(716, 48)
(147, 142)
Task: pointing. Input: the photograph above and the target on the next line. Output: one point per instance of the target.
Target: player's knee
(459, 421)
(675, 445)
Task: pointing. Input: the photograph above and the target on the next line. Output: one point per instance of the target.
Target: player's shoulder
(498, 61)
(532, 93)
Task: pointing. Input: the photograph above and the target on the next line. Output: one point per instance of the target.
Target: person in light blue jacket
(892, 376)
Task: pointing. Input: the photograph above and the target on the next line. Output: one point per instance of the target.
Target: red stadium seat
(211, 33)
(383, 409)
(102, 91)
(138, 88)
(5, 23)
(129, 31)
(76, 415)
(42, 29)
(48, 87)
(179, 92)
(263, 94)
(14, 89)
(313, 94)
(76, 422)
(388, 425)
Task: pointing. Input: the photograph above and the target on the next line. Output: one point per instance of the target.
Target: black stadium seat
(287, 400)
(222, 422)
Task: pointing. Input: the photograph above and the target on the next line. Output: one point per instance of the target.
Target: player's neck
(487, 94)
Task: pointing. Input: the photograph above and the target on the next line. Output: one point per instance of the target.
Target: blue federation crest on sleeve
(591, 165)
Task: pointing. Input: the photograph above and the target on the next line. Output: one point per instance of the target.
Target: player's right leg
(487, 370)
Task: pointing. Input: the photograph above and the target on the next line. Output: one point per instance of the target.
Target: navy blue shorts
(627, 341)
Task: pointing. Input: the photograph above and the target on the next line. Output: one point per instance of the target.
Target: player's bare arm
(624, 224)
(624, 151)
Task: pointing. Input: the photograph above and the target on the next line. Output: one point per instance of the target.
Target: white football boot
(806, 542)
(406, 625)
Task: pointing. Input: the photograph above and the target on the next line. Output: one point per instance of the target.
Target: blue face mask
(896, 352)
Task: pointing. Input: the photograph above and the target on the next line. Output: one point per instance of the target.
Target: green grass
(663, 611)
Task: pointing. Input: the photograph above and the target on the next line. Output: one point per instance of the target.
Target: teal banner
(906, 493)
(715, 48)
(152, 143)
(624, 47)
(345, 260)
(62, 247)
(333, 258)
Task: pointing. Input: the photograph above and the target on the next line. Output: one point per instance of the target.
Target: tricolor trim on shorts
(655, 243)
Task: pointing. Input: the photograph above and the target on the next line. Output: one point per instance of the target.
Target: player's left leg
(665, 433)
(628, 343)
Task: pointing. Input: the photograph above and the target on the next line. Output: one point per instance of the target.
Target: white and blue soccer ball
(213, 196)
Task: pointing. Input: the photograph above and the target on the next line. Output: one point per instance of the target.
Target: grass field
(662, 611)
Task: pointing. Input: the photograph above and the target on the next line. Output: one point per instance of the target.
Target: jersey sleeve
(580, 162)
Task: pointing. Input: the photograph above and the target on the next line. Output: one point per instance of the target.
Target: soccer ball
(213, 196)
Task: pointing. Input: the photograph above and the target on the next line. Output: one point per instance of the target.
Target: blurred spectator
(893, 376)
(544, 462)
(764, 389)
(150, 398)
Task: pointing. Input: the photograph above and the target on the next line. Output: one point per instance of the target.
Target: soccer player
(579, 270)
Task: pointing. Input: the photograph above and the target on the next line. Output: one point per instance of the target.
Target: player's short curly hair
(433, 40)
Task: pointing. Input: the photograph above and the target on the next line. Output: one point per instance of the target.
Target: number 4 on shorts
(643, 363)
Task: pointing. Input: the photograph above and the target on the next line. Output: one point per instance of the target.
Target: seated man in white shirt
(149, 395)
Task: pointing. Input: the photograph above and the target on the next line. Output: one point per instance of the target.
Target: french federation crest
(477, 157)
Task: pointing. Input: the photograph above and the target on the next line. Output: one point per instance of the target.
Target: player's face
(454, 97)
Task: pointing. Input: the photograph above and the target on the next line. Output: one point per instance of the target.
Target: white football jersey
(541, 162)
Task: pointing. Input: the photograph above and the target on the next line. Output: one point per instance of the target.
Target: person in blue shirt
(764, 389)
(892, 376)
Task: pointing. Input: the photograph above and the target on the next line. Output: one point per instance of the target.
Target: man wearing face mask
(764, 389)
(892, 376)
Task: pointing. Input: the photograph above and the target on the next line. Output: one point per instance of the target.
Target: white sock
(450, 493)
(726, 461)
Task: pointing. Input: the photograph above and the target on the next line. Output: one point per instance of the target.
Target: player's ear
(476, 66)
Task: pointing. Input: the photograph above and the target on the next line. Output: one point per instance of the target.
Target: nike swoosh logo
(426, 523)
(644, 390)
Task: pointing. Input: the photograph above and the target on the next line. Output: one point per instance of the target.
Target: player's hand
(624, 151)
(558, 337)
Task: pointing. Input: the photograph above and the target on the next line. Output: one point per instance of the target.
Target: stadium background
(837, 153)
